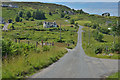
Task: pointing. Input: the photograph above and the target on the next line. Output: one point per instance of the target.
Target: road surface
(76, 64)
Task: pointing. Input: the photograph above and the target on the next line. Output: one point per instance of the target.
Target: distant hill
(9, 12)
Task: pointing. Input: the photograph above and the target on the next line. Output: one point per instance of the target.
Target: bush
(72, 21)
(67, 17)
(38, 50)
(31, 19)
(98, 50)
(100, 37)
(71, 46)
(46, 48)
(117, 47)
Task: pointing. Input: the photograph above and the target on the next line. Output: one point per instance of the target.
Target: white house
(49, 24)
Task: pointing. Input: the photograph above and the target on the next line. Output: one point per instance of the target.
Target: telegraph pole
(89, 36)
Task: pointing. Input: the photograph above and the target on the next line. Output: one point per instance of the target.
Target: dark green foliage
(28, 14)
(62, 15)
(20, 14)
(80, 11)
(94, 26)
(88, 24)
(67, 17)
(97, 36)
(72, 21)
(98, 50)
(39, 15)
(17, 19)
(50, 13)
(104, 30)
(46, 48)
(76, 24)
(11, 48)
(31, 19)
(100, 37)
(117, 47)
(13, 28)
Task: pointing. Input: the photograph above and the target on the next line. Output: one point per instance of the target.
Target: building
(106, 14)
(10, 5)
(49, 24)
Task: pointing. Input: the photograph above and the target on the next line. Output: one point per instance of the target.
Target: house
(10, 5)
(49, 24)
(106, 14)
(3, 5)
(2, 20)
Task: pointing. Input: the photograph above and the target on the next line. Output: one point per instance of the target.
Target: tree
(39, 15)
(72, 21)
(20, 14)
(50, 13)
(28, 14)
(62, 15)
(100, 37)
(17, 19)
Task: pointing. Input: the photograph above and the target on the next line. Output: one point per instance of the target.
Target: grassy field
(23, 58)
(22, 66)
(90, 44)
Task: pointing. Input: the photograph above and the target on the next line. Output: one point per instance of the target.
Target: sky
(69, 0)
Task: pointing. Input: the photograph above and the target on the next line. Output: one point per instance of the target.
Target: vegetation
(28, 47)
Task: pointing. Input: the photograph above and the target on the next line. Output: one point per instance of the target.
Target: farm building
(49, 24)
(106, 14)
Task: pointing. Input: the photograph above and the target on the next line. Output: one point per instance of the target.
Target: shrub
(117, 47)
(31, 19)
(72, 21)
(71, 46)
(100, 37)
(38, 50)
(46, 48)
(98, 50)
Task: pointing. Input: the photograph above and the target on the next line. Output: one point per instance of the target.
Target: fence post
(15, 40)
(28, 42)
(52, 43)
(19, 40)
(36, 44)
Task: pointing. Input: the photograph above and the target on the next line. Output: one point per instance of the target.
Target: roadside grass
(21, 66)
(82, 22)
(115, 76)
(90, 48)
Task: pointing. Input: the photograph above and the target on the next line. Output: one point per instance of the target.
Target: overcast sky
(69, 0)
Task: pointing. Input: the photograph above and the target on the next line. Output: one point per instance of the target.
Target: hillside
(8, 12)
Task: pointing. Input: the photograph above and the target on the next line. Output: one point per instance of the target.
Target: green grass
(90, 48)
(21, 66)
(115, 76)
(82, 22)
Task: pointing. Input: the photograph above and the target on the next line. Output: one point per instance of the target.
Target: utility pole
(89, 36)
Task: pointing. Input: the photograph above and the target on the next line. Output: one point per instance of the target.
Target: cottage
(2, 20)
(10, 5)
(106, 14)
(49, 24)
(3, 5)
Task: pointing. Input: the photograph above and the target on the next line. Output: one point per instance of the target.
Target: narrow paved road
(75, 64)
